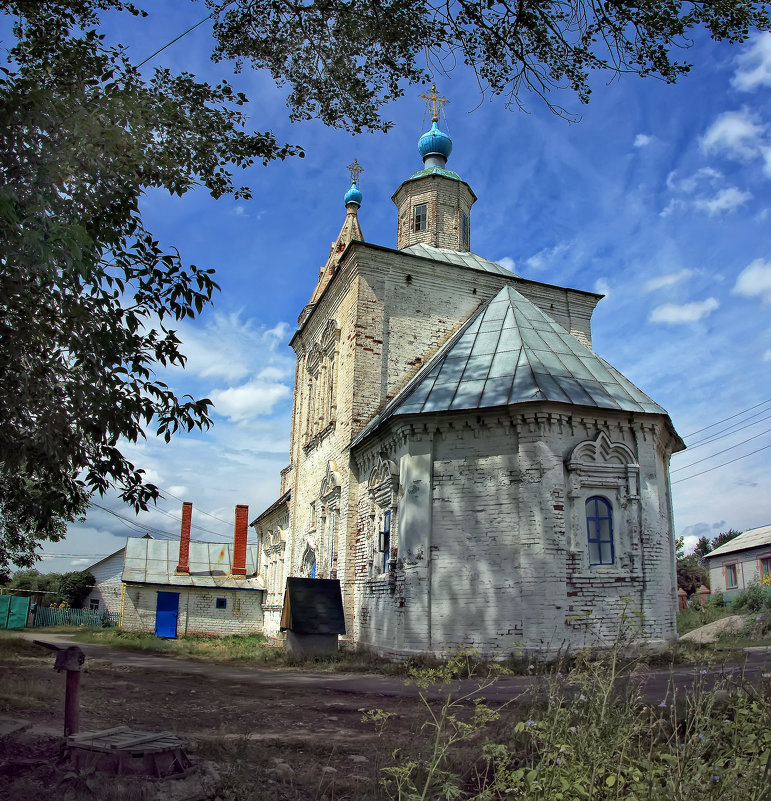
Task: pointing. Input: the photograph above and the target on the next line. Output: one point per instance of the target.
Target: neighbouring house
(461, 459)
(174, 588)
(740, 562)
(105, 595)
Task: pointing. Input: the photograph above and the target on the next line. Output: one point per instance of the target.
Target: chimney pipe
(239, 541)
(184, 538)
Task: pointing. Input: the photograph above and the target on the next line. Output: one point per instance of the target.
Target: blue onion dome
(353, 195)
(435, 143)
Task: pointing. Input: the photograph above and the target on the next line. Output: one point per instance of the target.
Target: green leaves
(87, 295)
(344, 60)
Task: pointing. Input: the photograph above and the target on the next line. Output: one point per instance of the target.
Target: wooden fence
(74, 617)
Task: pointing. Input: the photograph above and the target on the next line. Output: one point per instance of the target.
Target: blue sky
(659, 198)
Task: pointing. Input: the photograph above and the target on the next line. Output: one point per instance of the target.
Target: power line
(192, 525)
(185, 33)
(733, 429)
(177, 498)
(738, 414)
(718, 453)
(709, 470)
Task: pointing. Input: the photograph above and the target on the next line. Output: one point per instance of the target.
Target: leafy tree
(74, 587)
(691, 574)
(87, 296)
(702, 548)
(723, 537)
(344, 60)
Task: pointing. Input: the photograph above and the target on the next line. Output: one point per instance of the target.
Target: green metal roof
(511, 352)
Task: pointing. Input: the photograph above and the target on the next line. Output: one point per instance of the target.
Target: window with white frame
(599, 530)
(420, 217)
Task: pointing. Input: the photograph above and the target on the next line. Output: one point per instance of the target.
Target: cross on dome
(355, 169)
(434, 101)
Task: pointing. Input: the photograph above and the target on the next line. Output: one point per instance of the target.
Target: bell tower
(434, 204)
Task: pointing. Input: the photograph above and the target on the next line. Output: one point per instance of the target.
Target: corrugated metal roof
(753, 538)
(154, 562)
(462, 259)
(511, 352)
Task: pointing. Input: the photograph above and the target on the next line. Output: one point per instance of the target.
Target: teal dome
(434, 143)
(353, 195)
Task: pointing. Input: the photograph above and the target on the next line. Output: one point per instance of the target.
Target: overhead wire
(725, 419)
(718, 453)
(710, 469)
(734, 429)
(185, 33)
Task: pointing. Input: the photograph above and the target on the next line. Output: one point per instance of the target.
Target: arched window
(309, 563)
(599, 530)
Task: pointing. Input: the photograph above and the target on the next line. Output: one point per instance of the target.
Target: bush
(755, 598)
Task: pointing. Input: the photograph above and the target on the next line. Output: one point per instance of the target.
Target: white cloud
(228, 346)
(767, 356)
(725, 200)
(642, 140)
(691, 183)
(250, 400)
(508, 263)
(668, 279)
(545, 258)
(736, 134)
(754, 64)
(683, 313)
(602, 287)
(755, 281)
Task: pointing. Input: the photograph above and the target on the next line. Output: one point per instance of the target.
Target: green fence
(13, 612)
(74, 617)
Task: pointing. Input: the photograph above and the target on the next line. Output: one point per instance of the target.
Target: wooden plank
(91, 735)
(141, 737)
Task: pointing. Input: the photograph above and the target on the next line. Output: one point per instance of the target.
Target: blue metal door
(166, 614)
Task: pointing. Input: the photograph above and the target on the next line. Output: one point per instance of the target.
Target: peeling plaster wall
(492, 548)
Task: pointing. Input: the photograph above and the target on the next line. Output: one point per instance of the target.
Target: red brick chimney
(239, 541)
(184, 538)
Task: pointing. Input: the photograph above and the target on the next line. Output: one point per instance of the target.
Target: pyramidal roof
(511, 352)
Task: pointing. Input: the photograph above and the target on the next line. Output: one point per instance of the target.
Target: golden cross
(434, 101)
(356, 170)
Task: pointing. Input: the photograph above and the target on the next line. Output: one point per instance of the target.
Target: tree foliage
(343, 59)
(88, 298)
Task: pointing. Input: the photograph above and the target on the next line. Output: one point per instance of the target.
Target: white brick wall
(197, 610)
(492, 543)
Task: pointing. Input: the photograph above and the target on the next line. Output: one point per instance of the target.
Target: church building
(461, 460)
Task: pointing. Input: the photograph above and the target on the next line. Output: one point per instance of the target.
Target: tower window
(599, 529)
(464, 228)
(420, 217)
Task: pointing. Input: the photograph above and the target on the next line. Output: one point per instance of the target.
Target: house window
(93, 604)
(765, 567)
(419, 217)
(599, 529)
(222, 603)
(464, 228)
(731, 577)
(385, 541)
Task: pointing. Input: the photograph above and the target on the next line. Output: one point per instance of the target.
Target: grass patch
(13, 647)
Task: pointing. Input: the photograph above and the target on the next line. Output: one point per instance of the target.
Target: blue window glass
(599, 529)
(222, 603)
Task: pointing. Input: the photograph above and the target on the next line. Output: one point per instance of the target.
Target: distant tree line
(70, 589)
(692, 571)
